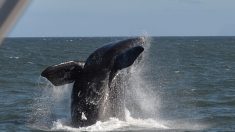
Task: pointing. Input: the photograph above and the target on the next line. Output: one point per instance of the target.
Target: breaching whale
(94, 95)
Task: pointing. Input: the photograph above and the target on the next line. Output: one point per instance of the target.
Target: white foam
(114, 124)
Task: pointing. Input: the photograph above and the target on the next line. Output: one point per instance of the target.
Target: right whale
(96, 94)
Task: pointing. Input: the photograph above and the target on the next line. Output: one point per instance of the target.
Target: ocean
(184, 84)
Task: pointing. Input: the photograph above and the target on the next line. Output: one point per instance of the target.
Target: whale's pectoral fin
(127, 58)
(63, 73)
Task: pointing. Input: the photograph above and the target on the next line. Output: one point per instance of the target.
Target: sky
(97, 18)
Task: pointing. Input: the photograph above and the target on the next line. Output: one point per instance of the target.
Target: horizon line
(115, 36)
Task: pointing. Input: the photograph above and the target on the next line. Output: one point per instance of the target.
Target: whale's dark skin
(96, 94)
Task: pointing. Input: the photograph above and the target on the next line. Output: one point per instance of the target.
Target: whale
(97, 94)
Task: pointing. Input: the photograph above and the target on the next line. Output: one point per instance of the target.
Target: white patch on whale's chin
(83, 116)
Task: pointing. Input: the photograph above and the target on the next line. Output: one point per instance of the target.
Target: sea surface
(183, 84)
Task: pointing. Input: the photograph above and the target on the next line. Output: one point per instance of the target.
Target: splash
(142, 101)
(51, 110)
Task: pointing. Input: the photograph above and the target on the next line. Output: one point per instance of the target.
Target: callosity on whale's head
(93, 96)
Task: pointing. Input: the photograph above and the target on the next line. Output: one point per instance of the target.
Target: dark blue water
(189, 84)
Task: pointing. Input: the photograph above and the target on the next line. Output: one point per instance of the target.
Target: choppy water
(185, 84)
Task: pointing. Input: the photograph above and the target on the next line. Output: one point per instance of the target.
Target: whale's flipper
(127, 58)
(63, 73)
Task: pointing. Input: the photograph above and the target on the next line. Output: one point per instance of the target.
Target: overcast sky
(75, 18)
